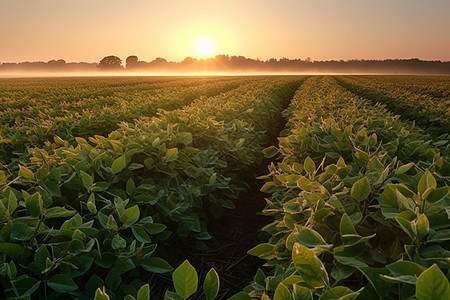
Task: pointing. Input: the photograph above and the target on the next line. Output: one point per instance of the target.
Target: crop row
(34, 111)
(423, 100)
(433, 86)
(83, 215)
(359, 204)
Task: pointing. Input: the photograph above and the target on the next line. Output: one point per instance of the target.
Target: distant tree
(131, 61)
(110, 63)
(158, 62)
(56, 64)
(189, 60)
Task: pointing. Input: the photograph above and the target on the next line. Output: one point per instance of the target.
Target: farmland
(118, 186)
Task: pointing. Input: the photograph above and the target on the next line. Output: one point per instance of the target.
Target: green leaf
(34, 205)
(260, 277)
(154, 228)
(405, 168)
(426, 181)
(25, 173)
(348, 257)
(118, 164)
(91, 203)
(292, 279)
(282, 293)
(240, 296)
(351, 240)
(422, 226)
(40, 257)
(118, 242)
(432, 285)
(302, 293)
(135, 166)
(309, 266)
(211, 285)
(438, 194)
(340, 271)
(407, 227)
(171, 154)
(307, 237)
(149, 162)
(62, 283)
(131, 187)
(212, 179)
(11, 269)
(87, 180)
(59, 212)
(373, 140)
(263, 250)
(21, 232)
(111, 223)
(144, 293)
(361, 189)
(268, 187)
(156, 265)
(103, 219)
(130, 216)
(339, 293)
(169, 295)
(373, 275)
(11, 249)
(309, 165)
(53, 188)
(140, 234)
(346, 225)
(439, 236)
(12, 202)
(185, 280)
(270, 152)
(409, 279)
(400, 268)
(24, 285)
(113, 279)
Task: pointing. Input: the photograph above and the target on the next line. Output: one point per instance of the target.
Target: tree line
(236, 64)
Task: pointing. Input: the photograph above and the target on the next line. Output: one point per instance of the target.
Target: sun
(204, 47)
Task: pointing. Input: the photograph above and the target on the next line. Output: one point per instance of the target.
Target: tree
(110, 63)
(131, 61)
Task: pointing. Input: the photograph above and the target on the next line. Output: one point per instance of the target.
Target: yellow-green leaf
(130, 216)
(432, 285)
(211, 285)
(118, 164)
(426, 181)
(309, 266)
(171, 154)
(25, 173)
(185, 280)
(309, 165)
(361, 189)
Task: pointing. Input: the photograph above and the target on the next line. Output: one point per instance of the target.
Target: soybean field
(234, 187)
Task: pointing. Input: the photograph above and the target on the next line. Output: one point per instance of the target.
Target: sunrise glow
(204, 47)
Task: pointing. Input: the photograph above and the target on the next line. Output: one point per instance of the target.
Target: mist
(220, 65)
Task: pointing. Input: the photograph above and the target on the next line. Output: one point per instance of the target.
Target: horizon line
(227, 55)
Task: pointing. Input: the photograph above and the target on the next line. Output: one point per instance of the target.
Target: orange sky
(86, 30)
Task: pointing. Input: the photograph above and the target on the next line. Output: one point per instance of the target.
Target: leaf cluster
(359, 204)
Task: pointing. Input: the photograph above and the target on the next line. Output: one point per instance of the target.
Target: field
(337, 187)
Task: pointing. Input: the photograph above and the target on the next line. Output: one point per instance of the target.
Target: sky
(88, 30)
